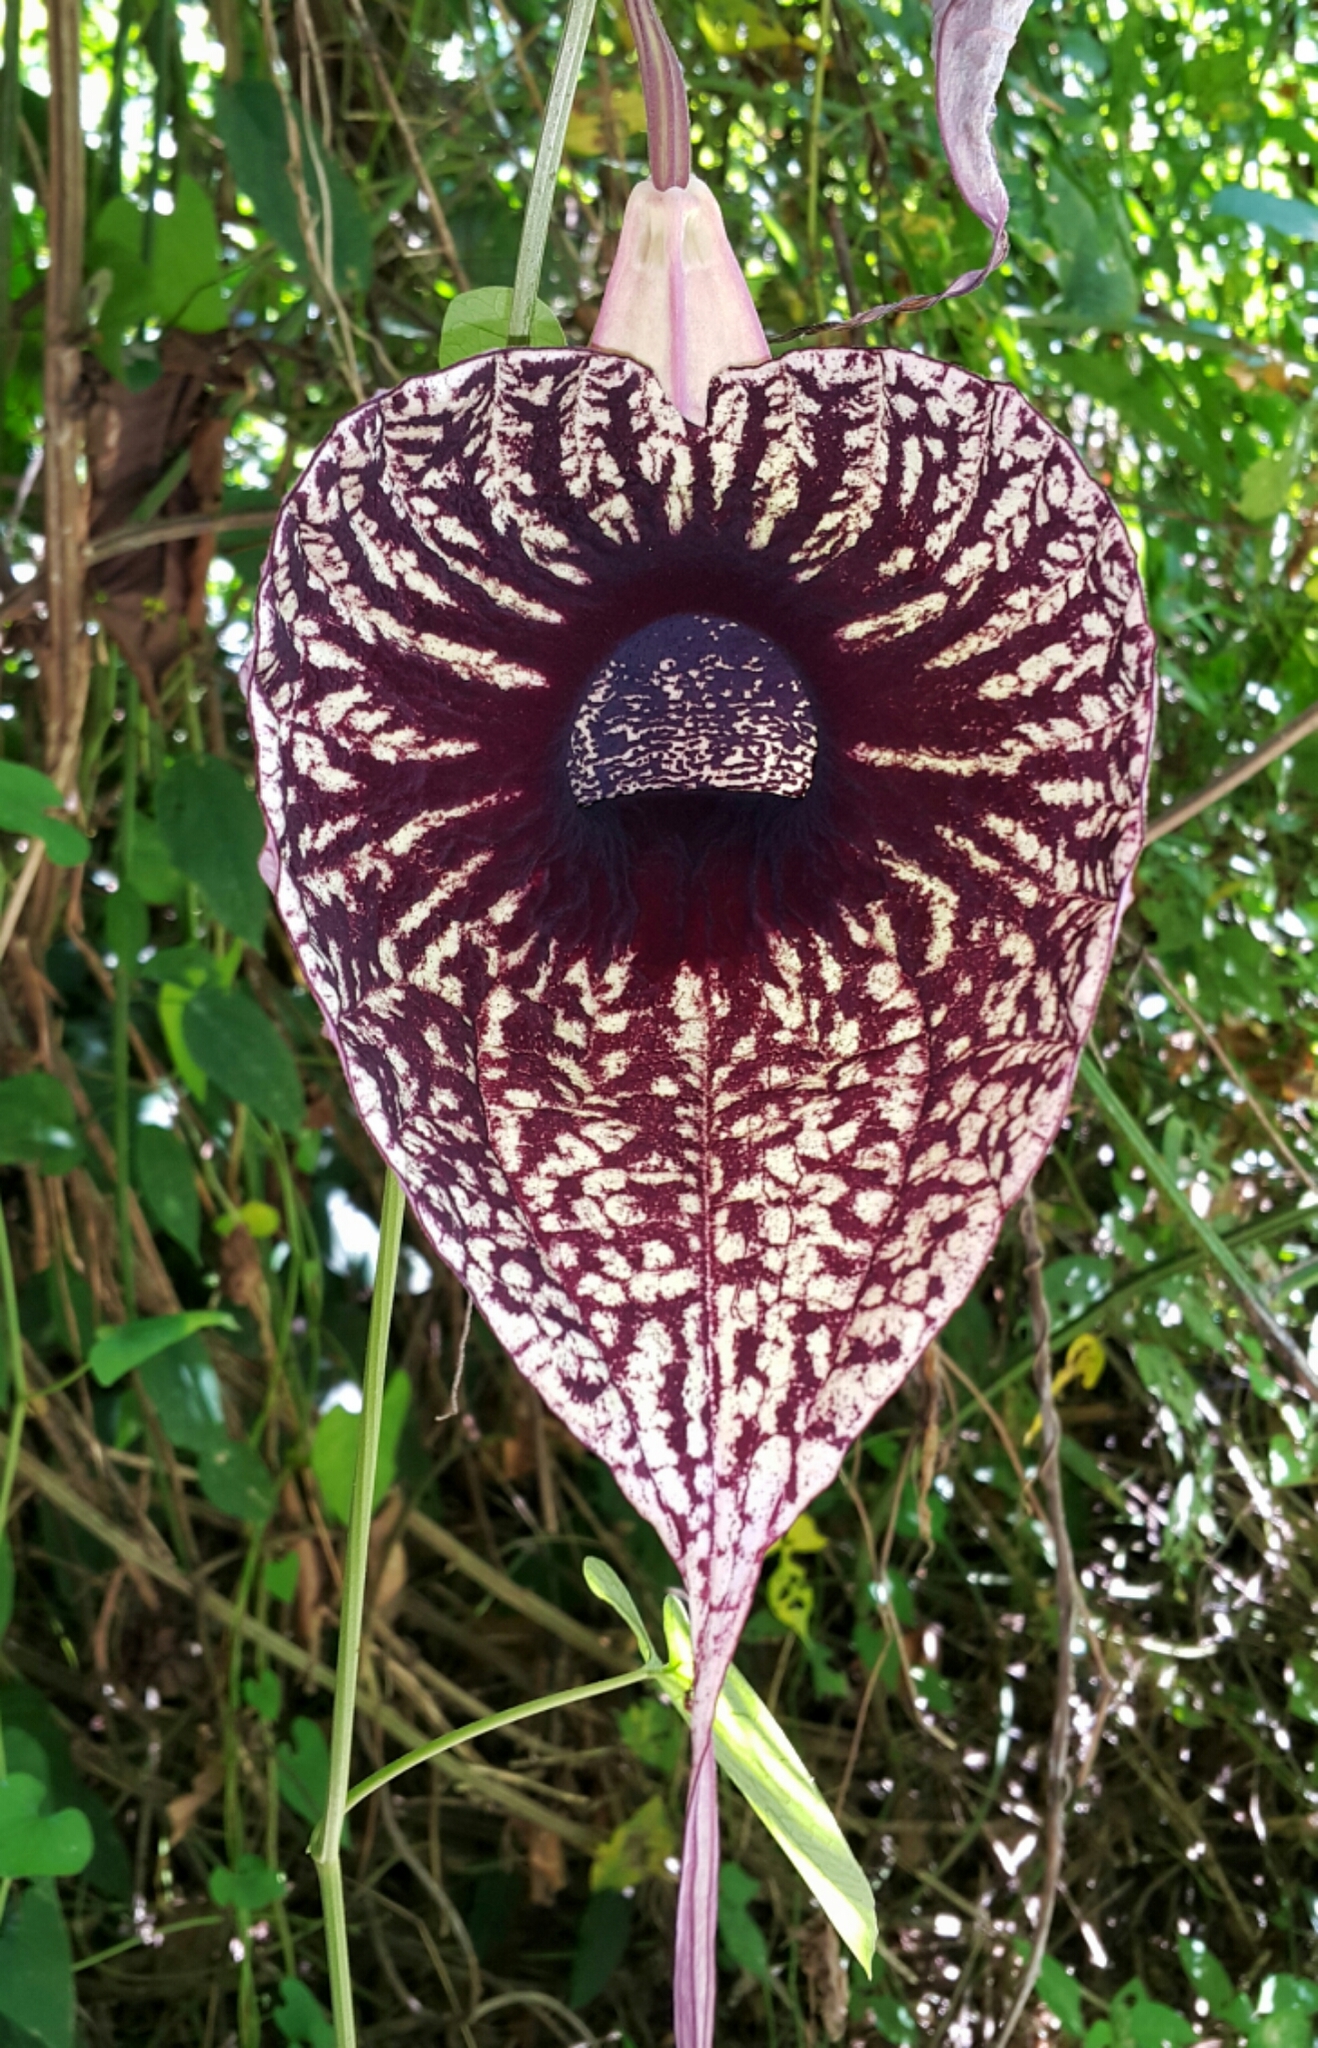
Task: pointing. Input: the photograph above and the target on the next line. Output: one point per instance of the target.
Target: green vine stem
(473, 1730)
(326, 1846)
(544, 178)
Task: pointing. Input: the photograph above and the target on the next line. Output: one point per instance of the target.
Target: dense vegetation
(217, 231)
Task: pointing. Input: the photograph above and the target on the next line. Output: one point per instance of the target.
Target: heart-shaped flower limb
(706, 845)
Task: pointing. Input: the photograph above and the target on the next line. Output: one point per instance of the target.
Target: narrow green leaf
(1268, 210)
(605, 1584)
(755, 1753)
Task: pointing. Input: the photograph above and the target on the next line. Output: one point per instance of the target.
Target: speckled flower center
(693, 702)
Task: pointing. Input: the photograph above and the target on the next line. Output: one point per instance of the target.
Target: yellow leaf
(1085, 1360)
(586, 128)
(730, 26)
(790, 1596)
(638, 1849)
(804, 1535)
(258, 1219)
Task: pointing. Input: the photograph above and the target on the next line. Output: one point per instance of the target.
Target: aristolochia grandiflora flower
(706, 845)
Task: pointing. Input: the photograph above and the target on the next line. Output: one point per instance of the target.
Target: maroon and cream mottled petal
(715, 1204)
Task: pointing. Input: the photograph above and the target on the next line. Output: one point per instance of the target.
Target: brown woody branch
(1222, 784)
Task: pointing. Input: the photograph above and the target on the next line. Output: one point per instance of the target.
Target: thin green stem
(123, 989)
(544, 178)
(327, 1850)
(134, 1941)
(475, 1729)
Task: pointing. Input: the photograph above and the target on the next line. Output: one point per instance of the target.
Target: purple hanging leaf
(706, 849)
(972, 42)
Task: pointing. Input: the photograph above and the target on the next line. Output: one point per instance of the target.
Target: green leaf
(249, 116)
(1168, 1381)
(249, 1887)
(38, 1124)
(1139, 2021)
(236, 1046)
(235, 1480)
(301, 2018)
(6, 1584)
(1292, 1464)
(1206, 1974)
(36, 1968)
(1059, 1991)
(167, 1183)
(1304, 1688)
(478, 321)
(126, 926)
(303, 1766)
(755, 1753)
(151, 871)
(605, 1584)
(1266, 486)
(185, 263)
(894, 2021)
(602, 1939)
(36, 1844)
(213, 831)
(184, 1389)
(334, 1449)
(739, 1930)
(1281, 2030)
(653, 1733)
(279, 1575)
(123, 1348)
(27, 798)
(1267, 210)
(264, 1695)
(1099, 288)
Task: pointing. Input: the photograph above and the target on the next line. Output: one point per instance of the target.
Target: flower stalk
(326, 1846)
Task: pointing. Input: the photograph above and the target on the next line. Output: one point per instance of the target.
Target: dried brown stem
(1227, 779)
(443, 232)
(66, 659)
(484, 1787)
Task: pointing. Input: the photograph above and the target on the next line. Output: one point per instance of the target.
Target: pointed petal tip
(676, 299)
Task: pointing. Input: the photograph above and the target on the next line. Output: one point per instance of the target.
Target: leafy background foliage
(178, 1156)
